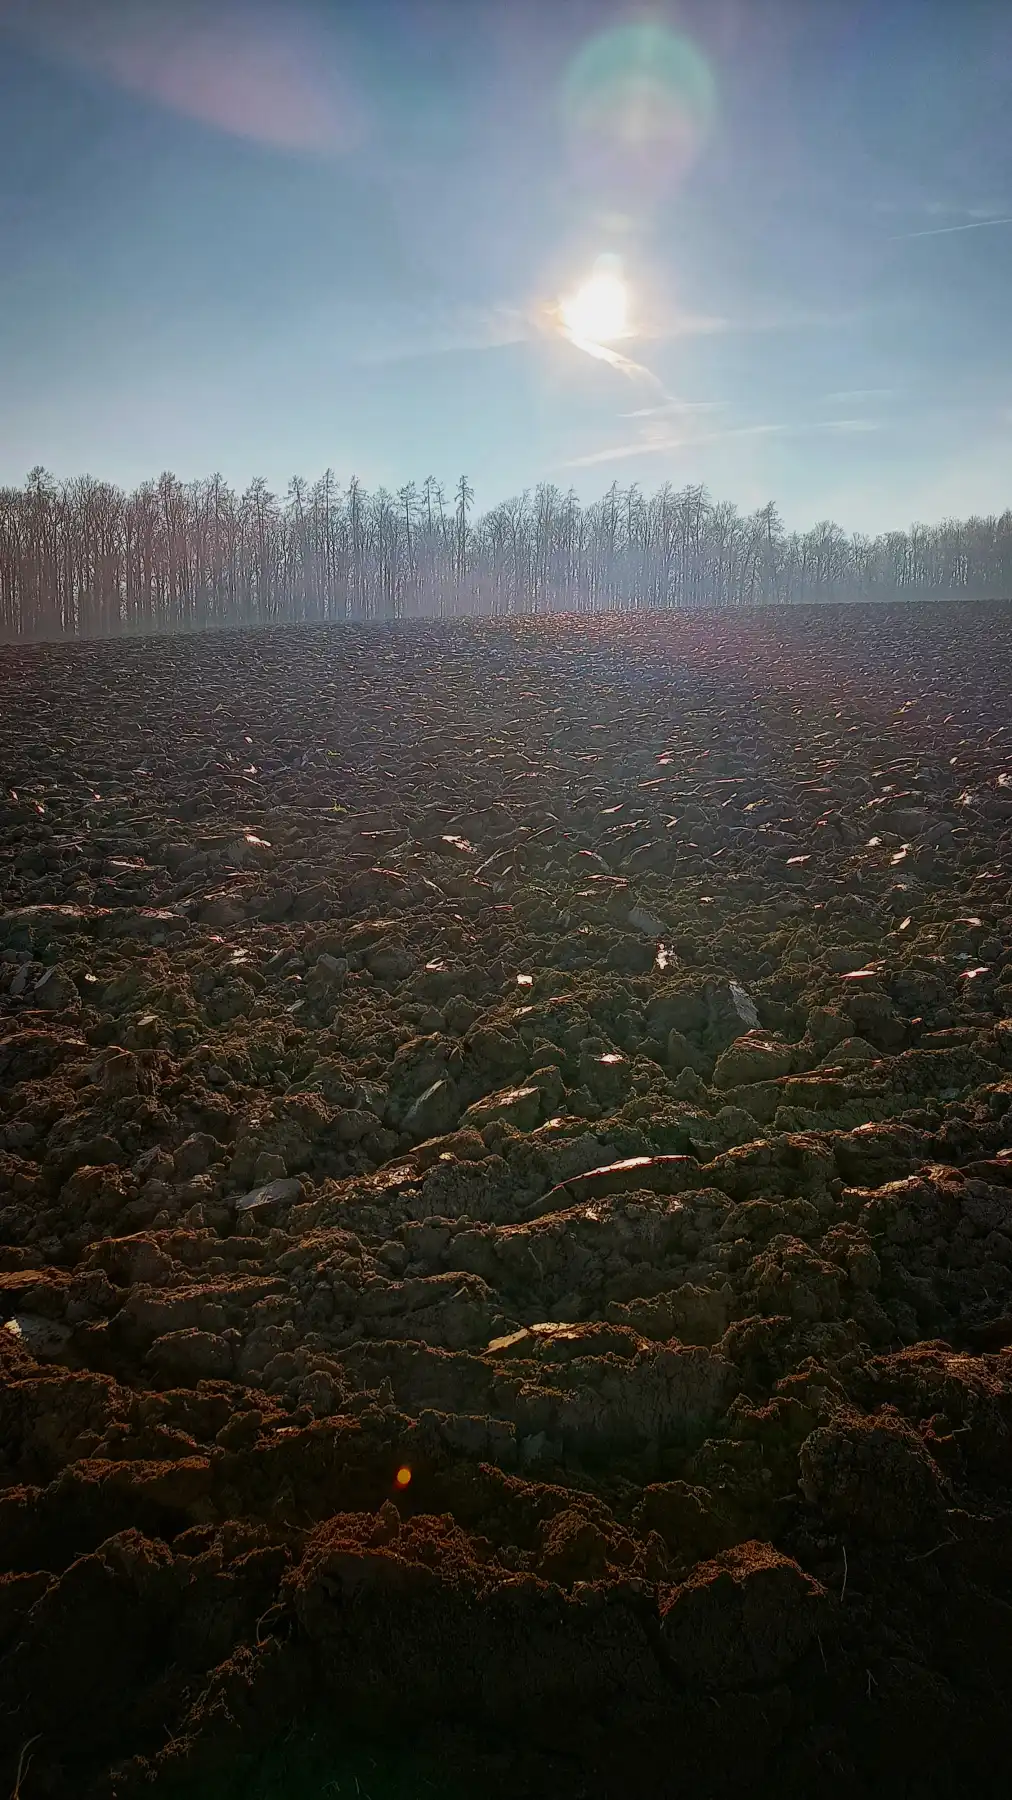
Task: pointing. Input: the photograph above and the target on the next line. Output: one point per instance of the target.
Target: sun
(598, 312)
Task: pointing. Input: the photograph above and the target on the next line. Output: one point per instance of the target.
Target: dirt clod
(506, 1206)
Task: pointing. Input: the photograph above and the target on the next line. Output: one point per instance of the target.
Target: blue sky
(264, 238)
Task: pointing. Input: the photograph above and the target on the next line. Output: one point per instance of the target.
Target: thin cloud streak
(615, 360)
(690, 441)
(687, 325)
(445, 335)
(496, 327)
(670, 407)
(946, 230)
(843, 425)
(621, 451)
(845, 394)
(650, 447)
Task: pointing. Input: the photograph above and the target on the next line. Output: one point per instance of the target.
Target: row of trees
(83, 558)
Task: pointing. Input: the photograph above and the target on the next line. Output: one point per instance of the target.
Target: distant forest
(82, 558)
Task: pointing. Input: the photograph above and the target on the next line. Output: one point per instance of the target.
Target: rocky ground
(506, 1209)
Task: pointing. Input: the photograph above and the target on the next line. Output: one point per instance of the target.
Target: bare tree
(82, 558)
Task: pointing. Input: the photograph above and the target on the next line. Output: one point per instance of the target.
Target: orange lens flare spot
(403, 1478)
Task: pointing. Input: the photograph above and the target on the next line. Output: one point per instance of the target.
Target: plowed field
(506, 1210)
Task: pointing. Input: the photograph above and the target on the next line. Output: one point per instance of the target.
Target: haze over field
(83, 558)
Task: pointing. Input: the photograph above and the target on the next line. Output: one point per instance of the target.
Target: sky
(267, 237)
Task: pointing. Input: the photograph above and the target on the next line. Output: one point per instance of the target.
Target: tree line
(83, 558)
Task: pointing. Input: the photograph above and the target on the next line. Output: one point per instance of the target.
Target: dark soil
(568, 1062)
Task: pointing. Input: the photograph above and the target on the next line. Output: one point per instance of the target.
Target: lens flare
(638, 101)
(275, 76)
(403, 1477)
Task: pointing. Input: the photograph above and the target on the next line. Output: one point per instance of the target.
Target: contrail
(944, 230)
(624, 364)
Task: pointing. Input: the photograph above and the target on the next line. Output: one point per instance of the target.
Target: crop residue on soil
(506, 1207)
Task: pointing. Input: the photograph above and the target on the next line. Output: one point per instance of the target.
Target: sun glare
(598, 312)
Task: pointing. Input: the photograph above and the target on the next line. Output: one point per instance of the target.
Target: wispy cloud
(843, 425)
(668, 408)
(847, 394)
(619, 452)
(615, 360)
(681, 325)
(946, 230)
(785, 319)
(661, 329)
(934, 206)
(401, 336)
(655, 443)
